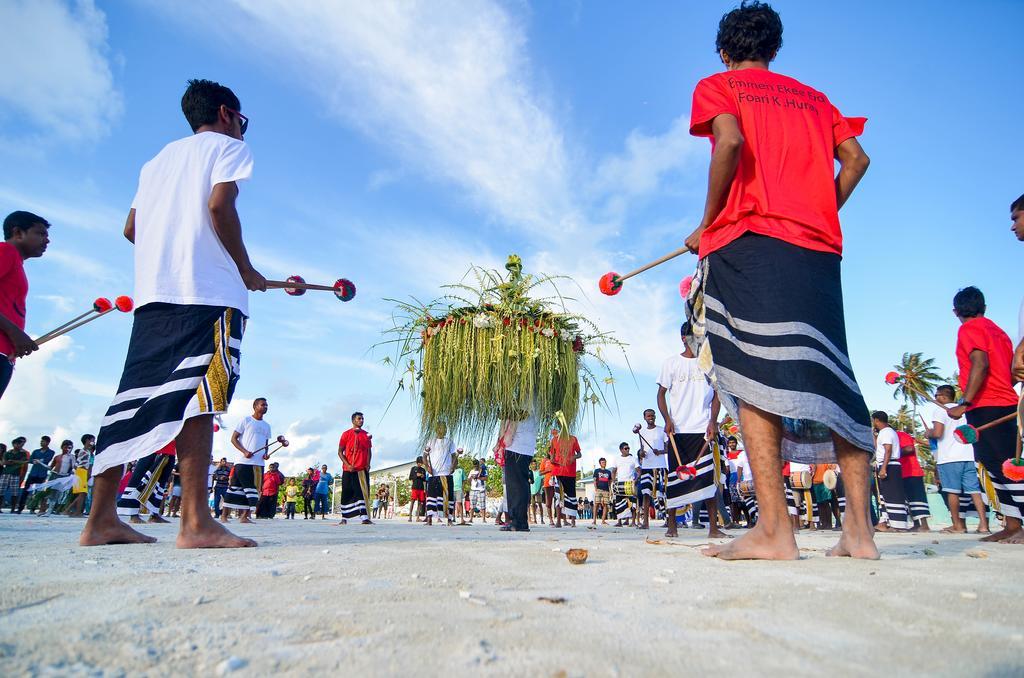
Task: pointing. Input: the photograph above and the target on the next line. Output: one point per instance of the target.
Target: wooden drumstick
(657, 262)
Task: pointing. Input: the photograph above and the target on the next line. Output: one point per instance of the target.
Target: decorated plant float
(496, 350)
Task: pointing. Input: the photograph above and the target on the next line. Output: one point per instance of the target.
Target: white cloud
(55, 69)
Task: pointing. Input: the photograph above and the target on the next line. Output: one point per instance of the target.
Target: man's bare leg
(198, 529)
(103, 525)
(857, 540)
(772, 537)
(711, 506)
(673, 526)
(979, 506)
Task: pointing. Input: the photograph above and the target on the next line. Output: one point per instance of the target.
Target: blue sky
(398, 143)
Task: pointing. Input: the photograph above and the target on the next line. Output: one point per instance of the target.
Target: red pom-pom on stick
(102, 305)
(216, 427)
(610, 284)
(685, 472)
(1014, 469)
(281, 439)
(684, 286)
(892, 377)
(344, 289)
(966, 434)
(124, 304)
(295, 291)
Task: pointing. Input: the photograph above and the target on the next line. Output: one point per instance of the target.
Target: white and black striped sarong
(692, 452)
(893, 498)
(769, 330)
(244, 487)
(992, 448)
(439, 488)
(147, 486)
(352, 502)
(917, 498)
(567, 485)
(183, 361)
(621, 502)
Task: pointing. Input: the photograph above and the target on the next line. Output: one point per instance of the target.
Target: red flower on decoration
(577, 344)
(507, 321)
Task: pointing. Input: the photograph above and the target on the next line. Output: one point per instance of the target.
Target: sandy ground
(404, 599)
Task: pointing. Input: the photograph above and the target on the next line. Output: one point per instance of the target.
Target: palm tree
(919, 378)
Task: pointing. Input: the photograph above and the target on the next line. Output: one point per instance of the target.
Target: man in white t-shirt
(954, 462)
(192, 277)
(251, 439)
(623, 472)
(653, 463)
(690, 409)
(440, 458)
(891, 495)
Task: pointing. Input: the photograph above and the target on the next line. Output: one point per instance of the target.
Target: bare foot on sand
(671, 532)
(245, 521)
(715, 533)
(853, 547)
(154, 518)
(135, 520)
(114, 532)
(1015, 538)
(209, 534)
(953, 530)
(757, 545)
(999, 536)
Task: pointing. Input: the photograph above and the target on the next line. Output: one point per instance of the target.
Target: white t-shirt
(253, 434)
(624, 468)
(524, 440)
(653, 438)
(887, 436)
(442, 451)
(178, 257)
(742, 462)
(475, 481)
(948, 448)
(689, 394)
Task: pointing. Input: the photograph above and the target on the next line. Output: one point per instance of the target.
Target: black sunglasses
(244, 121)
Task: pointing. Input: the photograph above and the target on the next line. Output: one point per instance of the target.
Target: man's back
(784, 185)
(179, 258)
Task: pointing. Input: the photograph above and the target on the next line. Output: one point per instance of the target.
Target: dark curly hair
(969, 302)
(751, 31)
(202, 101)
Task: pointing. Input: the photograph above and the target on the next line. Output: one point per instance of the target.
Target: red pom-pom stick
(684, 472)
(610, 284)
(1014, 469)
(124, 304)
(966, 434)
(285, 443)
(684, 286)
(216, 427)
(281, 439)
(892, 377)
(344, 289)
(102, 305)
(295, 291)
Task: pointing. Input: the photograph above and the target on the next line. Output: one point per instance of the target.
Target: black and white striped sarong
(893, 498)
(621, 502)
(917, 498)
(568, 486)
(769, 330)
(244, 487)
(147, 486)
(352, 502)
(183, 361)
(439, 488)
(692, 452)
(993, 447)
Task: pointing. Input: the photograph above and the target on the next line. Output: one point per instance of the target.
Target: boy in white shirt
(440, 459)
(653, 463)
(251, 438)
(890, 475)
(192, 277)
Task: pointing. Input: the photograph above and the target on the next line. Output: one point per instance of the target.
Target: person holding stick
(440, 458)
(766, 300)
(355, 451)
(251, 438)
(984, 354)
(192, 279)
(26, 236)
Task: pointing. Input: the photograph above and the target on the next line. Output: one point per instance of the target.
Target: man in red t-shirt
(984, 354)
(354, 450)
(913, 483)
(770, 246)
(26, 235)
(563, 452)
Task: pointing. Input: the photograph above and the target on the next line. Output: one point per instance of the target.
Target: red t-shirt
(272, 481)
(984, 335)
(357, 449)
(568, 470)
(785, 181)
(13, 291)
(908, 456)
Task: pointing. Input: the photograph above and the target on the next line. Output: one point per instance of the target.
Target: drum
(800, 480)
(830, 479)
(746, 488)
